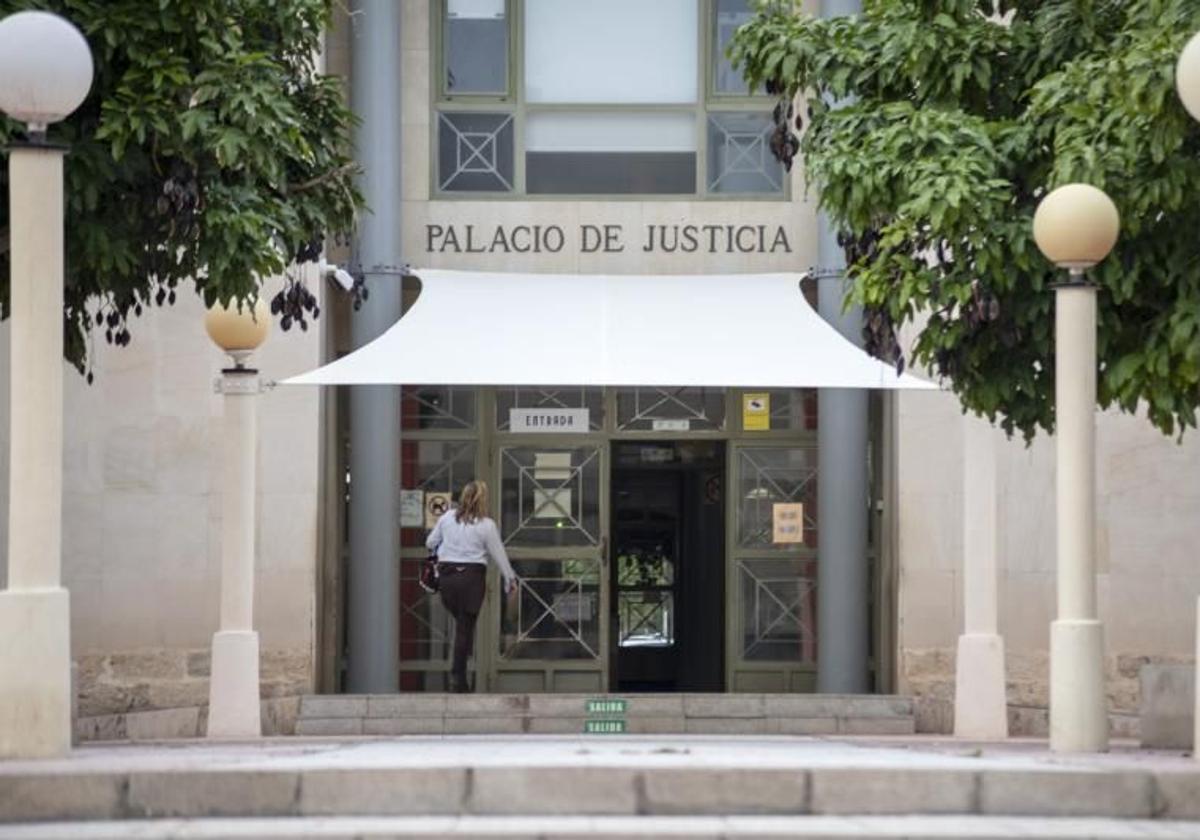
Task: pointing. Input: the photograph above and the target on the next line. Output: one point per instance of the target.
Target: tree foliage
(209, 149)
(953, 118)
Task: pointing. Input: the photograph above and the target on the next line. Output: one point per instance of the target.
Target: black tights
(462, 587)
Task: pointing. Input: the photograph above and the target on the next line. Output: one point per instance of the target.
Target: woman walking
(464, 538)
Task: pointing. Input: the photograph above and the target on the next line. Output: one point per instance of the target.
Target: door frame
(490, 663)
(799, 676)
(330, 583)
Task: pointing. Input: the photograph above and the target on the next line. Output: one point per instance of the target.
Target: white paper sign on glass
(541, 420)
(412, 508)
(551, 504)
(788, 522)
(551, 466)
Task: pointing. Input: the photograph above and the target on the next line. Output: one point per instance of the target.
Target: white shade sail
(722, 330)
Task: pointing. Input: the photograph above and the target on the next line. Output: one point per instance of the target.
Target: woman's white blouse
(462, 542)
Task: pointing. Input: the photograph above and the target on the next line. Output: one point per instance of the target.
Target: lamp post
(1076, 226)
(1187, 83)
(233, 702)
(45, 74)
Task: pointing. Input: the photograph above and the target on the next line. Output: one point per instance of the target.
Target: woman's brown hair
(473, 503)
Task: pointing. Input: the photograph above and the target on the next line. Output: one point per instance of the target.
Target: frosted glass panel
(730, 15)
(739, 154)
(478, 9)
(614, 51)
(609, 132)
(476, 52)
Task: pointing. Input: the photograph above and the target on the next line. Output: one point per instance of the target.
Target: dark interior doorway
(668, 566)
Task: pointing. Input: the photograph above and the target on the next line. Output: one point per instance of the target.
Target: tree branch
(345, 169)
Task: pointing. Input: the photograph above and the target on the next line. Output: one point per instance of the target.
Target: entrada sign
(606, 239)
(560, 420)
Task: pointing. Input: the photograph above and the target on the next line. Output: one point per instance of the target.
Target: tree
(209, 149)
(953, 118)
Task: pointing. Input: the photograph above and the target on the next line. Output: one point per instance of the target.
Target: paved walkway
(731, 751)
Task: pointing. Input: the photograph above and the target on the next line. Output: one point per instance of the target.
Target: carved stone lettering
(608, 239)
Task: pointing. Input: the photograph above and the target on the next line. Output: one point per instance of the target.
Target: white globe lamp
(45, 68)
(1187, 76)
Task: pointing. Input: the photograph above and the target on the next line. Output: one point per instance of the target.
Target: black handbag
(429, 574)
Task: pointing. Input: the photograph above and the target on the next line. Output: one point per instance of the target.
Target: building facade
(553, 136)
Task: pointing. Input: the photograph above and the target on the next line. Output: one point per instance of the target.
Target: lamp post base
(234, 709)
(35, 673)
(1078, 701)
(980, 702)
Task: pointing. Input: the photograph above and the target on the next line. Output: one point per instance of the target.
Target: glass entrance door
(773, 568)
(553, 519)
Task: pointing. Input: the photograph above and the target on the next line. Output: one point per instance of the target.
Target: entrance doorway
(652, 471)
(667, 569)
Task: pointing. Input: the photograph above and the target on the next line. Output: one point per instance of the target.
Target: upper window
(729, 15)
(614, 52)
(475, 48)
(577, 97)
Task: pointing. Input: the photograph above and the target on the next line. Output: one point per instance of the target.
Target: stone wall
(1147, 575)
(116, 683)
(164, 693)
(928, 675)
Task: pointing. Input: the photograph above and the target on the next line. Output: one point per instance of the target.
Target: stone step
(652, 714)
(641, 828)
(299, 787)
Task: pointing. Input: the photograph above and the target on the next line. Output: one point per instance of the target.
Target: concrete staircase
(470, 781)
(639, 714)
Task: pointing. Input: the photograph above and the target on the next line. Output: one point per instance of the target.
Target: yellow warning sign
(756, 412)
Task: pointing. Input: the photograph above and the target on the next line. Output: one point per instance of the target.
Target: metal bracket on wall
(816, 272)
(241, 382)
(359, 270)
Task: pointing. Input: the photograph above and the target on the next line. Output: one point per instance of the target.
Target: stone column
(234, 709)
(35, 621)
(980, 704)
(843, 500)
(843, 580)
(1078, 703)
(373, 585)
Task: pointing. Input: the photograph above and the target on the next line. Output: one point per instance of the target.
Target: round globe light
(1187, 76)
(45, 68)
(238, 330)
(1076, 226)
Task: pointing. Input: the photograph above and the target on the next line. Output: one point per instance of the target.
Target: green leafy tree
(209, 150)
(953, 119)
